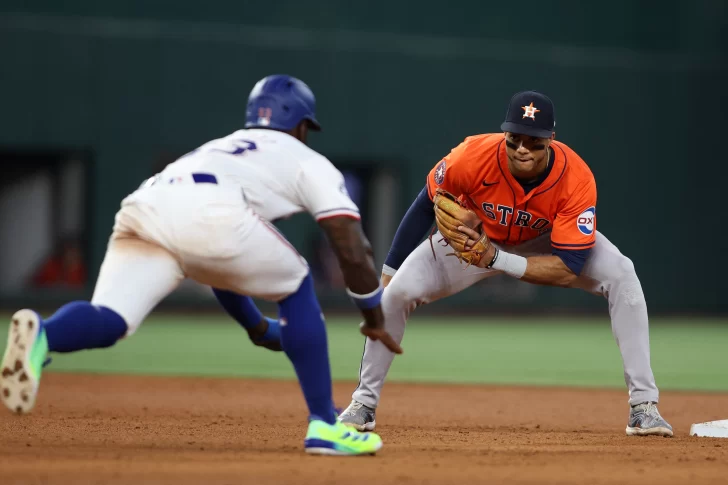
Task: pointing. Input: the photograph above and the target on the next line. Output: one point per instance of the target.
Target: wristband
(510, 264)
(368, 301)
(388, 270)
(495, 256)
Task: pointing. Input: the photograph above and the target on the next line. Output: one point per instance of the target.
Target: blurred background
(97, 96)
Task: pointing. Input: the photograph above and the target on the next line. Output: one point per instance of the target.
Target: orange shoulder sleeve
(575, 225)
(452, 173)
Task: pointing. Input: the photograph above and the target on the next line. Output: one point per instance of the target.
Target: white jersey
(206, 217)
(279, 176)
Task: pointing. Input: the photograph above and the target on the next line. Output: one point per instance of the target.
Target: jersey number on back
(238, 147)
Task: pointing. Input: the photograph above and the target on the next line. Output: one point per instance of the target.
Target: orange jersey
(563, 203)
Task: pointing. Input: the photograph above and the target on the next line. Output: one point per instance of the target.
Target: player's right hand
(373, 327)
(381, 335)
(473, 236)
(385, 279)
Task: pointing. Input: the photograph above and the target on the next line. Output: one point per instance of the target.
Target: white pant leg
(421, 279)
(136, 274)
(203, 232)
(219, 241)
(610, 273)
(250, 258)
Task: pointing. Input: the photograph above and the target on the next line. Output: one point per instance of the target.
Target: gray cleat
(358, 416)
(645, 420)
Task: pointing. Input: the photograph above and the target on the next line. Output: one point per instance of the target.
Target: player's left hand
(266, 334)
(451, 215)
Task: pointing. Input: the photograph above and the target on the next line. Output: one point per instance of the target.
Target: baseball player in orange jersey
(537, 200)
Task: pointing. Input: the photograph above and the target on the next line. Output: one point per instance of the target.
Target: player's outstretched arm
(546, 270)
(541, 270)
(415, 225)
(354, 253)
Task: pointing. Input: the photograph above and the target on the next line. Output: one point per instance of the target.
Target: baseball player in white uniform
(207, 217)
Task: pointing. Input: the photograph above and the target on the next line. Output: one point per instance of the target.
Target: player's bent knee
(620, 269)
(398, 295)
(627, 283)
(626, 266)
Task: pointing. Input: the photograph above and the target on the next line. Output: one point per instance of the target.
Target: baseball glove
(451, 212)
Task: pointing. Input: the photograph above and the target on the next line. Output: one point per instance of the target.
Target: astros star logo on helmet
(530, 111)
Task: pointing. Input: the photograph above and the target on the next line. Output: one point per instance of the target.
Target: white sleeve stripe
(364, 297)
(337, 213)
(337, 209)
(388, 270)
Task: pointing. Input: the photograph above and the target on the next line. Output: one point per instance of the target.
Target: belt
(204, 178)
(198, 178)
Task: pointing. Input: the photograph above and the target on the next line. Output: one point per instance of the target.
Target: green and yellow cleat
(340, 440)
(23, 361)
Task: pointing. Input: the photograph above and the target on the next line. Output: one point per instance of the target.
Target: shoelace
(649, 409)
(355, 406)
(654, 412)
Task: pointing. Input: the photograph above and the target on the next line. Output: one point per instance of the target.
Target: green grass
(686, 354)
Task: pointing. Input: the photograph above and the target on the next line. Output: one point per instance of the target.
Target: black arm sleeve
(414, 226)
(575, 259)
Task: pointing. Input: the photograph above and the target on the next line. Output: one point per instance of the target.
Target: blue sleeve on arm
(240, 307)
(415, 224)
(574, 259)
(243, 310)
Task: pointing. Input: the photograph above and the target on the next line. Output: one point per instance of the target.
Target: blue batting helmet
(280, 102)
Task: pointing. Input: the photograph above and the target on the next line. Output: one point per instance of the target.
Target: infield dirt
(130, 429)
